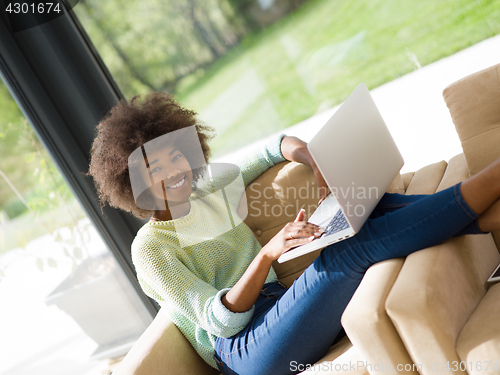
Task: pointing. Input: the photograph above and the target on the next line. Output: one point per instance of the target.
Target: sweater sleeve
(253, 164)
(166, 279)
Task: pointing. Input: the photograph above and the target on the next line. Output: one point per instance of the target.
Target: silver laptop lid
(357, 156)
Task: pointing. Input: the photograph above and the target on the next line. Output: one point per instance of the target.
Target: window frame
(63, 88)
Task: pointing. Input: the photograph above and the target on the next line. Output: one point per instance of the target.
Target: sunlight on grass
(312, 59)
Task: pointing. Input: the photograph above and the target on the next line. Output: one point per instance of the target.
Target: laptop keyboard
(337, 224)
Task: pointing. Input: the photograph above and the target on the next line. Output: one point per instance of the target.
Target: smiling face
(170, 173)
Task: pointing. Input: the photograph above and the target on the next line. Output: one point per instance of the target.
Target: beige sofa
(430, 313)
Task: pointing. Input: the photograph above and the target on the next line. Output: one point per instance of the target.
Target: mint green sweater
(188, 264)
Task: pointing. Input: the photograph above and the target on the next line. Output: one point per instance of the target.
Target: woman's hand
(291, 235)
(294, 149)
(244, 293)
(322, 185)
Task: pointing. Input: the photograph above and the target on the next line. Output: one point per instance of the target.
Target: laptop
(358, 158)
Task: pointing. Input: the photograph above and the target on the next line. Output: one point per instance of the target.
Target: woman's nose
(172, 173)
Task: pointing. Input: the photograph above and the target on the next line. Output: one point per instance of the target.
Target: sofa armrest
(367, 324)
(435, 294)
(162, 349)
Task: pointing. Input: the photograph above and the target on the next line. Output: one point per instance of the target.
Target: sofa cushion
(427, 179)
(479, 341)
(407, 177)
(456, 171)
(397, 185)
(274, 199)
(436, 292)
(162, 349)
(368, 326)
(474, 104)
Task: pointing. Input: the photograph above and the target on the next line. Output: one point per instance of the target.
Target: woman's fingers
(303, 229)
(322, 185)
(300, 216)
(298, 242)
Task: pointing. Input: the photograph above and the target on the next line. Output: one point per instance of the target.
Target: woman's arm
(255, 162)
(294, 149)
(173, 285)
(244, 293)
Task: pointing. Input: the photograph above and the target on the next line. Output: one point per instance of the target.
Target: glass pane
(252, 68)
(67, 307)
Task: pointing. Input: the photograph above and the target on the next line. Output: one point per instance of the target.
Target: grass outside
(313, 58)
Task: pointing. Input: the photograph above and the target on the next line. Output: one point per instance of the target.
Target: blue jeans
(295, 327)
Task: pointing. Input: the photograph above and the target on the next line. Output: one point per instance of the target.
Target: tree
(159, 43)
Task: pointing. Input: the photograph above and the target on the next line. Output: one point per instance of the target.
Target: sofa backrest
(474, 104)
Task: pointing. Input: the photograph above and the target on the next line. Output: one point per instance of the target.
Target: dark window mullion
(63, 91)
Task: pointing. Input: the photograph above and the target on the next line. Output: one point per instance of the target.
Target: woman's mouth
(178, 184)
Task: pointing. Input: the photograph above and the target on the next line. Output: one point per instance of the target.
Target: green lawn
(313, 58)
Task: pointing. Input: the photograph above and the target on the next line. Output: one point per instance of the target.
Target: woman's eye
(177, 157)
(154, 170)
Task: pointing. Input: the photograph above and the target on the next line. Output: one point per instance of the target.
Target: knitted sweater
(188, 264)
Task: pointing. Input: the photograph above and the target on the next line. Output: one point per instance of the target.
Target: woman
(218, 284)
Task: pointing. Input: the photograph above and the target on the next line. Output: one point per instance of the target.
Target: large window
(255, 67)
(67, 306)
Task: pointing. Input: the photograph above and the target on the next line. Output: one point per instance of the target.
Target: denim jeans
(294, 327)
